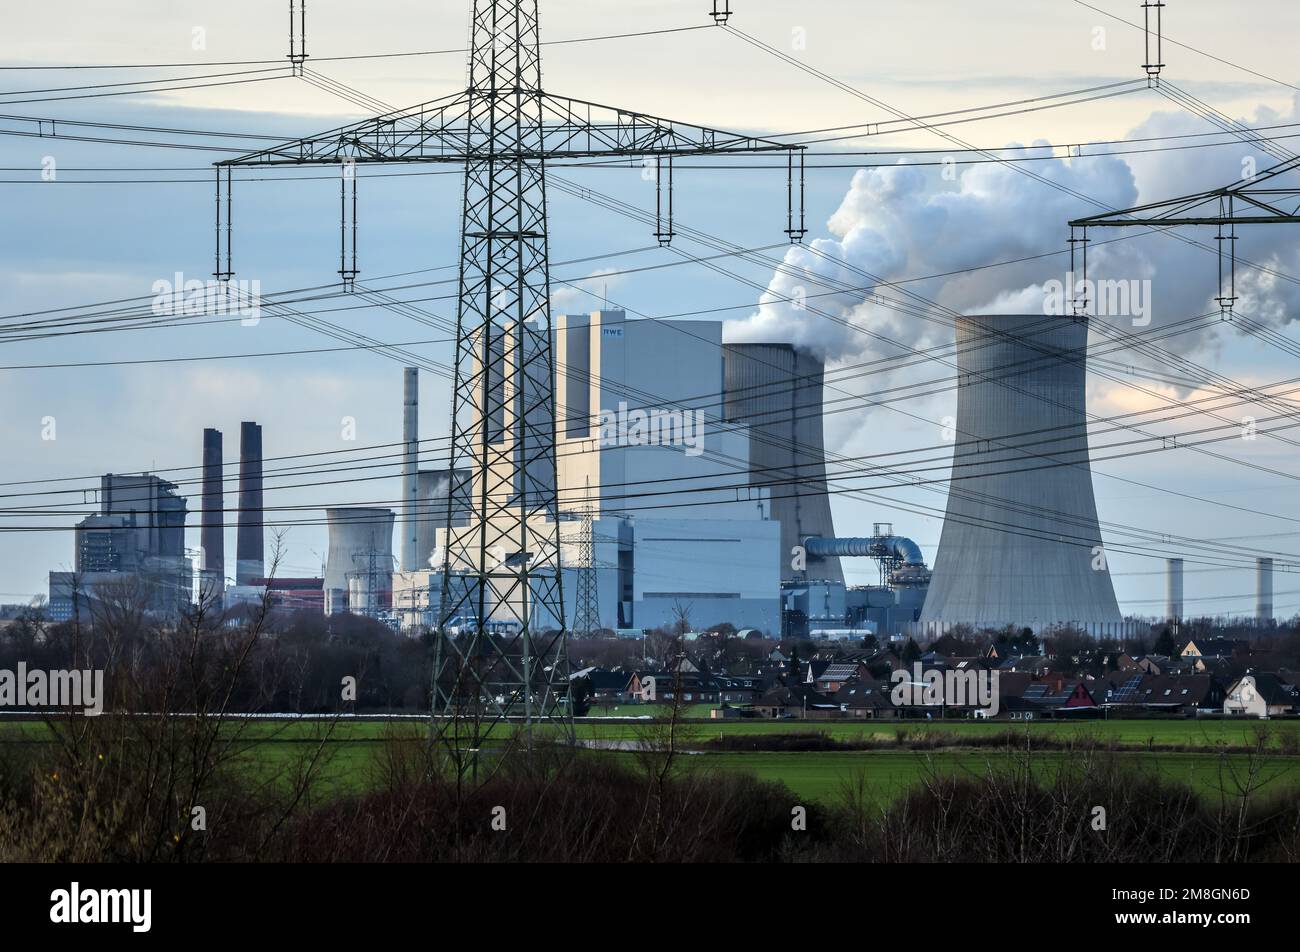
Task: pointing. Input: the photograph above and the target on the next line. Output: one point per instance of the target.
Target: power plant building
(642, 440)
(703, 468)
(1021, 545)
(136, 540)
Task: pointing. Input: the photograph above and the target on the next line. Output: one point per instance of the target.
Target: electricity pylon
(501, 634)
(1257, 200)
(586, 612)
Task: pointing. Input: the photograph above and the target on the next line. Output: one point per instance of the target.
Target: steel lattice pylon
(505, 566)
(500, 650)
(586, 612)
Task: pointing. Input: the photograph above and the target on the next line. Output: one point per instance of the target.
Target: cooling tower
(1020, 543)
(212, 535)
(777, 390)
(410, 469)
(249, 559)
(1264, 590)
(1174, 590)
(360, 548)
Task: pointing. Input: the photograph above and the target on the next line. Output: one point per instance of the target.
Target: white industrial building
(642, 441)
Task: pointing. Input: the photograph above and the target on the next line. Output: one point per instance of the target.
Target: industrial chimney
(1174, 591)
(410, 560)
(212, 535)
(1264, 591)
(1020, 543)
(249, 562)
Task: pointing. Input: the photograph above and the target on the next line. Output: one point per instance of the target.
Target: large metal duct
(907, 568)
(894, 547)
(1020, 543)
(434, 485)
(1264, 590)
(777, 390)
(250, 562)
(212, 535)
(1174, 590)
(360, 547)
(410, 469)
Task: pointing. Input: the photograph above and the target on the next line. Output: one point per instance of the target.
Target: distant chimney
(212, 536)
(410, 469)
(249, 561)
(1264, 590)
(1174, 590)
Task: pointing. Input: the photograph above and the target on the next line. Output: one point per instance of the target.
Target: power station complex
(692, 484)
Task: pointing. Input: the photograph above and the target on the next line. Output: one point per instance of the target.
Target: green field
(349, 767)
(1139, 733)
(353, 752)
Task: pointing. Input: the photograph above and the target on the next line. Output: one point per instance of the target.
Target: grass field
(349, 768)
(349, 762)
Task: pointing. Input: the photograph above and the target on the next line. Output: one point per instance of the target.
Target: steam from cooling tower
(981, 230)
(895, 224)
(250, 563)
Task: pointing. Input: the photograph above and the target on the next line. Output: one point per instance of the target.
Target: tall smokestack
(1174, 590)
(212, 536)
(1264, 591)
(410, 469)
(249, 562)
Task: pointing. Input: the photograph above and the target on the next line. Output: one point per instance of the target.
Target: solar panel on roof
(1127, 691)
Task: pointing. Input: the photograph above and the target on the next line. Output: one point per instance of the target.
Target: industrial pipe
(907, 551)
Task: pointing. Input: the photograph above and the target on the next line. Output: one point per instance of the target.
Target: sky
(106, 235)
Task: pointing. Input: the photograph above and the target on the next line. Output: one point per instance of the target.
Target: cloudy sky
(105, 229)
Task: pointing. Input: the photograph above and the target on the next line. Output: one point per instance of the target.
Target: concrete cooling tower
(360, 558)
(1020, 538)
(777, 390)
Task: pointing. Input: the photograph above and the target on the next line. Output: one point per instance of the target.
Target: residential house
(799, 700)
(1259, 694)
(867, 699)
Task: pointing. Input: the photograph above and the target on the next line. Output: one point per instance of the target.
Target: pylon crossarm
(435, 131)
(1180, 211)
(582, 129)
(440, 131)
(1177, 211)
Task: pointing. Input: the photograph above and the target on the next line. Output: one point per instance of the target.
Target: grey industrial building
(137, 537)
